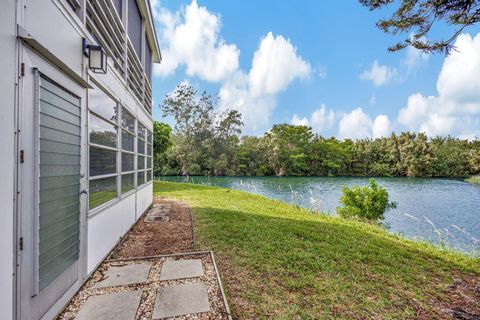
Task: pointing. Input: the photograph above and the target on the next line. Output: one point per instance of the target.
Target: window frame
(116, 149)
(119, 173)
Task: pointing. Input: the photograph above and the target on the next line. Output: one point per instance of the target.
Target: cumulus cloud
(275, 65)
(381, 127)
(357, 125)
(414, 58)
(320, 120)
(379, 74)
(456, 107)
(296, 120)
(191, 38)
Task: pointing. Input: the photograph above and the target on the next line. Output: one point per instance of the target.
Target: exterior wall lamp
(97, 59)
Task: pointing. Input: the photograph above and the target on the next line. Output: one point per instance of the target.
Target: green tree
(204, 140)
(366, 202)
(162, 141)
(418, 17)
(288, 148)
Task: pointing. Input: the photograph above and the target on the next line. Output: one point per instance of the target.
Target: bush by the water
(475, 179)
(367, 202)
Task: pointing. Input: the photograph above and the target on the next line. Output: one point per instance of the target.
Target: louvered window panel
(59, 180)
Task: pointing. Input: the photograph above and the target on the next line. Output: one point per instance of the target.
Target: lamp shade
(96, 58)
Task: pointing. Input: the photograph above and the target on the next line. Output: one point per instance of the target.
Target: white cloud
(414, 58)
(191, 38)
(456, 108)
(300, 122)
(373, 100)
(379, 74)
(275, 65)
(155, 5)
(357, 125)
(320, 119)
(381, 127)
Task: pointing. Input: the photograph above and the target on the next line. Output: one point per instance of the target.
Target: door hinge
(22, 157)
(20, 245)
(22, 69)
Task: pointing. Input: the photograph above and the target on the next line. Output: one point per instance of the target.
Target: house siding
(55, 26)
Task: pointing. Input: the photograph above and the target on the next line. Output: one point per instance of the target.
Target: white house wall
(144, 198)
(107, 227)
(7, 163)
(46, 22)
(61, 32)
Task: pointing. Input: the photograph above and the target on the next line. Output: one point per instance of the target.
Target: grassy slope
(279, 261)
(475, 180)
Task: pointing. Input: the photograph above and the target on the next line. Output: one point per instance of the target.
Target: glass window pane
(127, 162)
(101, 191)
(128, 121)
(149, 163)
(149, 175)
(149, 136)
(127, 141)
(140, 178)
(141, 146)
(102, 132)
(141, 163)
(102, 161)
(102, 104)
(149, 149)
(128, 182)
(141, 130)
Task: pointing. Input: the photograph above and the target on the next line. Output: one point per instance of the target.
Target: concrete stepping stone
(113, 306)
(181, 269)
(157, 214)
(123, 275)
(179, 300)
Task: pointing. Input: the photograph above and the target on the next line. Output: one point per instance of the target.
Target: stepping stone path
(119, 275)
(181, 269)
(182, 299)
(152, 288)
(113, 306)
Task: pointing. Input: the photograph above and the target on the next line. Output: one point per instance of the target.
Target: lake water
(436, 210)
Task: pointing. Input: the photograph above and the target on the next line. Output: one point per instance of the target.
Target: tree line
(207, 142)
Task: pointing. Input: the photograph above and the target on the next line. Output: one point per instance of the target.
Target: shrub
(474, 179)
(367, 202)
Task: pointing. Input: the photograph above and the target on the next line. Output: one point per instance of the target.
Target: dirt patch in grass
(159, 237)
(462, 298)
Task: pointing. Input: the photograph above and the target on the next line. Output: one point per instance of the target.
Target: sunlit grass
(280, 261)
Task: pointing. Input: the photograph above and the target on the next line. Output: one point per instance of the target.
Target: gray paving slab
(182, 299)
(127, 274)
(113, 306)
(181, 269)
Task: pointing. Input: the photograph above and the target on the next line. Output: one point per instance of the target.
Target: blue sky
(319, 63)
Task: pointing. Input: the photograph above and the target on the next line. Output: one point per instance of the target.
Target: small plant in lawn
(366, 203)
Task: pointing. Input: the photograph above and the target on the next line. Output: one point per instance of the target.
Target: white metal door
(51, 179)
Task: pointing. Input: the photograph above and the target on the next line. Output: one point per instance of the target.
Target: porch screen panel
(59, 180)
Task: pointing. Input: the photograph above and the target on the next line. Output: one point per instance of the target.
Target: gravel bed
(218, 308)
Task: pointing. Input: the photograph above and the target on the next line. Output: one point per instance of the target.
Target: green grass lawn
(279, 261)
(475, 179)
